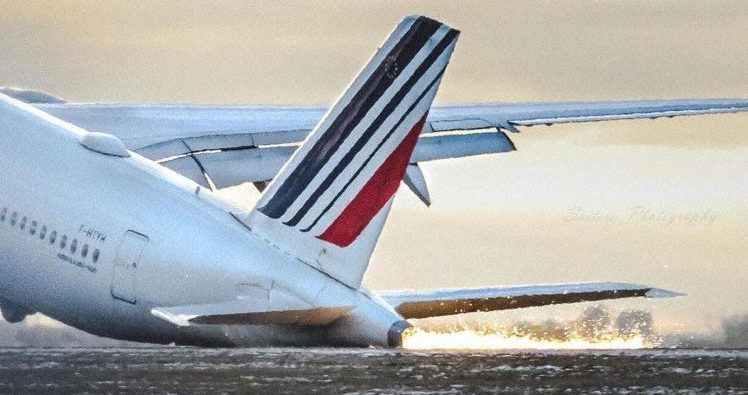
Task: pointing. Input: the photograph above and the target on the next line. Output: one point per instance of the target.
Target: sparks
(469, 339)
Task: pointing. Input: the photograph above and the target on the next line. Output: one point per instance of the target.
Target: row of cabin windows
(33, 227)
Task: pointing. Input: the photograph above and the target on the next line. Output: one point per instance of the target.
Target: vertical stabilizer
(328, 204)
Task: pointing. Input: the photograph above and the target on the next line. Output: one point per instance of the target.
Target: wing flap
(435, 303)
(432, 148)
(234, 167)
(221, 142)
(260, 164)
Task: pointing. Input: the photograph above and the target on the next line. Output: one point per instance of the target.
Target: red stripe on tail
(374, 195)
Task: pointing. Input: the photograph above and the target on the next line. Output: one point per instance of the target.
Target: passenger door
(125, 273)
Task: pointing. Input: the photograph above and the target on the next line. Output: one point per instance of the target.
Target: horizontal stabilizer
(236, 312)
(435, 303)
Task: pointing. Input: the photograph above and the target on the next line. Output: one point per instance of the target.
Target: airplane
(111, 223)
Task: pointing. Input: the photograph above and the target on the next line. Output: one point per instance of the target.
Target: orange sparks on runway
(469, 339)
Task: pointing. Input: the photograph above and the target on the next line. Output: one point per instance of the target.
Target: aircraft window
(3, 214)
(43, 232)
(13, 218)
(95, 256)
(52, 237)
(73, 246)
(32, 228)
(22, 226)
(84, 251)
(63, 241)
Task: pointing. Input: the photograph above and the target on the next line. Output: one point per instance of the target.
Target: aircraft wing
(155, 130)
(223, 146)
(238, 312)
(510, 116)
(435, 303)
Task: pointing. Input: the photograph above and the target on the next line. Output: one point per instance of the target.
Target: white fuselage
(193, 250)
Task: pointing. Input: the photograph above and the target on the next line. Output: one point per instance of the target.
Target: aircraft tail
(328, 204)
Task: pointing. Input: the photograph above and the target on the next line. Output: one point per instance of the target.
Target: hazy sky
(658, 202)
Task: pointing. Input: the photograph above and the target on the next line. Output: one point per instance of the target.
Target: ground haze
(326, 371)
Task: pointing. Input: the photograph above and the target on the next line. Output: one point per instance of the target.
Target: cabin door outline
(125, 271)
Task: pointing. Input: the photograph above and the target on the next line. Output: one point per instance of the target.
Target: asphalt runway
(328, 371)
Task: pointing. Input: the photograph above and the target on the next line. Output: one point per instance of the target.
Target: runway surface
(190, 370)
